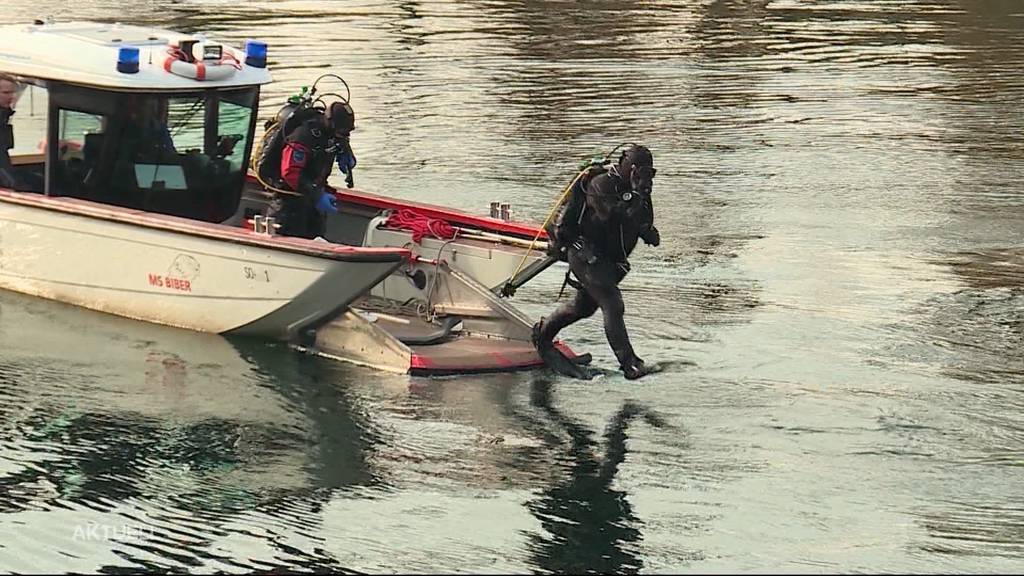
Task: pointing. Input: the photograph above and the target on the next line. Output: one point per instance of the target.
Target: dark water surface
(839, 295)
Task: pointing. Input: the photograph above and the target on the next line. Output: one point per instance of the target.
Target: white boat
(161, 225)
(114, 217)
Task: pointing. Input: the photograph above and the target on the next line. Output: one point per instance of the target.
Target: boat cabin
(136, 117)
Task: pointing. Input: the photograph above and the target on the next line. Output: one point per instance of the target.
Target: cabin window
(77, 130)
(80, 138)
(183, 154)
(26, 132)
(29, 122)
(75, 127)
(182, 118)
(235, 119)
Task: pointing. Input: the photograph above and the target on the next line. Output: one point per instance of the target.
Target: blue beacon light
(256, 53)
(128, 60)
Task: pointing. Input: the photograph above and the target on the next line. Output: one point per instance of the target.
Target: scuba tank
(269, 164)
(564, 227)
(296, 111)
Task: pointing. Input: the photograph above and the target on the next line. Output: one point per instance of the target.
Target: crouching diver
(301, 146)
(608, 210)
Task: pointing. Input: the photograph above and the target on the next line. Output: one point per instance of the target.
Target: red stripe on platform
(420, 362)
(565, 349)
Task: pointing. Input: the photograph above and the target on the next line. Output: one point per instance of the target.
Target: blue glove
(346, 161)
(327, 204)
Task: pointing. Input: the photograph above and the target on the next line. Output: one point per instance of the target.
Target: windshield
(180, 154)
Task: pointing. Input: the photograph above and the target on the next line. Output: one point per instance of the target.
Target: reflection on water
(590, 526)
(184, 438)
(837, 294)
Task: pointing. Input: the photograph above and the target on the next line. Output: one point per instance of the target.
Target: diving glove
(327, 204)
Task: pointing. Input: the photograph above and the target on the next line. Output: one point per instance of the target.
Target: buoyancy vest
(290, 117)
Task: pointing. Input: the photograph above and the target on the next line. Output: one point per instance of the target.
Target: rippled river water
(839, 295)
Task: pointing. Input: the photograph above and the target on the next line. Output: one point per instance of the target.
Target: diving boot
(637, 369)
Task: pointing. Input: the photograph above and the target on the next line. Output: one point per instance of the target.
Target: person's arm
(295, 160)
(6, 143)
(346, 160)
(166, 141)
(649, 234)
(6, 130)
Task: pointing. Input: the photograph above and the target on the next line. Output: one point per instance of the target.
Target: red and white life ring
(202, 70)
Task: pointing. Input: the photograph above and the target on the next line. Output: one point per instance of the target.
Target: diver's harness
(624, 191)
(587, 169)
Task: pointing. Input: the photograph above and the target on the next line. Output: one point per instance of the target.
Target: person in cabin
(147, 128)
(309, 153)
(608, 211)
(10, 90)
(145, 139)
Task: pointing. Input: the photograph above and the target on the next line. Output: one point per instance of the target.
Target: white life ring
(210, 70)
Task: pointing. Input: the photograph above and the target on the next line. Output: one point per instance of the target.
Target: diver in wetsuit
(607, 214)
(310, 150)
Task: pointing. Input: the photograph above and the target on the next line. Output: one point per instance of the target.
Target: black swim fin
(583, 359)
(558, 362)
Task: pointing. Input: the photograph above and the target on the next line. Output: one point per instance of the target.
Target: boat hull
(177, 272)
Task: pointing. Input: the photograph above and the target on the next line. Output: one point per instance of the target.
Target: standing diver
(309, 154)
(304, 147)
(608, 211)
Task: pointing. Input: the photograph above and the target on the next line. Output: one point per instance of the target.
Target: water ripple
(837, 298)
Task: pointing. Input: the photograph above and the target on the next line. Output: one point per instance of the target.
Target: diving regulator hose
(509, 289)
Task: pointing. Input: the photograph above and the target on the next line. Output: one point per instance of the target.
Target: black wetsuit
(600, 228)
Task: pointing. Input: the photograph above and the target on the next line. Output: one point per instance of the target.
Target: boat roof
(86, 53)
